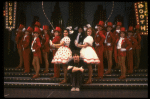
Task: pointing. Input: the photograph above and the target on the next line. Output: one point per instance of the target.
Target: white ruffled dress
(88, 54)
(64, 53)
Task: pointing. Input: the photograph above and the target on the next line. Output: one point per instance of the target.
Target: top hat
(45, 27)
(37, 30)
(29, 29)
(37, 24)
(21, 26)
(57, 29)
(101, 23)
(130, 29)
(119, 24)
(122, 29)
(137, 27)
(109, 24)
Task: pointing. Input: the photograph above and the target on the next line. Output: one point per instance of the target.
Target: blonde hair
(93, 31)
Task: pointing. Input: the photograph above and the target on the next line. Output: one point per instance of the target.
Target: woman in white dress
(87, 53)
(63, 54)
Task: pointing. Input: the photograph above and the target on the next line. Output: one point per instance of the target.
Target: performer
(35, 47)
(75, 68)
(63, 54)
(87, 53)
(134, 43)
(79, 37)
(121, 46)
(108, 46)
(18, 39)
(38, 25)
(117, 31)
(45, 47)
(26, 43)
(99, 47)
(116, 35)
(56, 40)
(137, 50)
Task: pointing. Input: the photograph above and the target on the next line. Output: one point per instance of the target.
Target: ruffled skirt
(89, 55)
(62, 56)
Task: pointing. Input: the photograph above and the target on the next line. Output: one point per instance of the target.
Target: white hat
(76, 28)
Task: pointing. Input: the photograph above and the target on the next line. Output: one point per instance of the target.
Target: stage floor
(66, 93)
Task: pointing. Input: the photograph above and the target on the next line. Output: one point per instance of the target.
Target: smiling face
(129, 33)
(89, 32)
(109, 29)
(118, 28)
(99, 28)
(45, 31)
(80, 30)
(26, 33)
(56, 33)
(36, 34)
(65, 33)
(122, 34)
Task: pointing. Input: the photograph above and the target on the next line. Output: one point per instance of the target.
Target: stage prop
(10, 18)
(141, 13)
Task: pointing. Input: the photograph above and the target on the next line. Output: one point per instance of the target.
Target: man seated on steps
(75, 68)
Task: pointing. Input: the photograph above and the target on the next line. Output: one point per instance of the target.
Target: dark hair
(75, 52)
(124, 33)
(59, 33)
(67, 31)
(81, 28)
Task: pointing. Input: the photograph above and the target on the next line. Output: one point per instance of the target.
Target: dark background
(71, 13)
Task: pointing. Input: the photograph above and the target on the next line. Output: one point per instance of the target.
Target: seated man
(75, 68)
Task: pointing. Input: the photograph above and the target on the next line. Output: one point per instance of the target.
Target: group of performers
(89, 44)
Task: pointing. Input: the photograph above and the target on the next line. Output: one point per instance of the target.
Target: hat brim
(100, 25)
(56, 30)
(110, 26)
(130, 31)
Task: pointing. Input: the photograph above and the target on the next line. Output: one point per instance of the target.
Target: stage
(18, 84)
(66, 93)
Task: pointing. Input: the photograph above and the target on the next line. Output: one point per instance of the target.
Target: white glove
(122, 49)
(82, 68)
(23, 29)
(108, 44)
(41, 29)
(96, 27)
(69, 67)
(97, 44)
(33, 50)
(76, 43)
(50, 42)
(52, 31)
(130, 48)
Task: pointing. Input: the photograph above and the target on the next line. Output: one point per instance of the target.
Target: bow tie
(118, 31)
(35, 38)
(79, 33)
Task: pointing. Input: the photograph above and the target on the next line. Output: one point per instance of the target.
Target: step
(57, 80)
(93, 85)
(51, 70)
(19, 74)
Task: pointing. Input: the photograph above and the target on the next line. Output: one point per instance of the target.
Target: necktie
(106, 37)
(78, 37)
